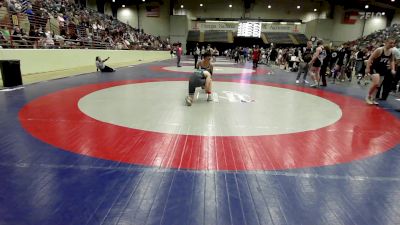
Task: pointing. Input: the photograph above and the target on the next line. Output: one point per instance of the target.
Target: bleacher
(193, 35)
(278, 38)
(301, 38)
(267, 37)
(377, 38)
(216, 36)
(45, 27)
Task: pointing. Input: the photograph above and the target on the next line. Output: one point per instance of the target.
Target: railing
(18, 41)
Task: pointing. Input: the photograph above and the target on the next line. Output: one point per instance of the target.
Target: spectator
(178, 55)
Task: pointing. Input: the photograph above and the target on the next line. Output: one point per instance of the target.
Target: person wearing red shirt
(256, 57)
(178, 55)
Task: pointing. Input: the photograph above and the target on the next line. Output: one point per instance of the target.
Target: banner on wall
(223, 26)
(288, 28)
(153, 11)
(203, 26)
(350, 17)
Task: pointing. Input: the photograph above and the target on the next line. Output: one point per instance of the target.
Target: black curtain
(114, 9)
(100, 6)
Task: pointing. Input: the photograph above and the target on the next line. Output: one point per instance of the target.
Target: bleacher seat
(216, 36)
(301, 38)
(278, 38)
(193, 35)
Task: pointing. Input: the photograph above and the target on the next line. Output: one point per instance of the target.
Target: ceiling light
(123, 6)
(113, 0)
(298, 7)
(269, 6)
(392, 0)
(366, 6)
(383, 13)
(201, 4)
(143, 0)
(283, 22)
(315, 10)
(181, 6)
(230, 6)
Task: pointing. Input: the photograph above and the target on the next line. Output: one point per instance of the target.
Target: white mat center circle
(238, 110)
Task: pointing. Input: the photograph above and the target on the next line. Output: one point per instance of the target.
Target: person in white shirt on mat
(100, 65)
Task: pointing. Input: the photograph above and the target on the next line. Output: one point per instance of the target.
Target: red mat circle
(363, 131)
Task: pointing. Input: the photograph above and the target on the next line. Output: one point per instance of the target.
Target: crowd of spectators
(77, 26)
(376, 39)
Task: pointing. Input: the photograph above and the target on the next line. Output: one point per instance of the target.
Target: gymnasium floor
(123, 148)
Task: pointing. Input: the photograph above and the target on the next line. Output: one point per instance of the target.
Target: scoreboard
(249, 29)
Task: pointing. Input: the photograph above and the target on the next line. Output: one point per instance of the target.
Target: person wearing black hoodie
(325, 65)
